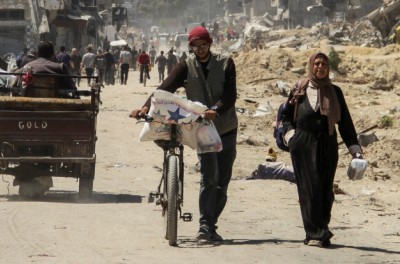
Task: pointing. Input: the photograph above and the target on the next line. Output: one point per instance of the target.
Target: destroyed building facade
(305, 13)
(72, 23)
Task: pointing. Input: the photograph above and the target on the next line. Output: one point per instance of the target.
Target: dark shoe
(203, 234)
(319, 243)
(215, 236)
(327, 236)
(326, 243)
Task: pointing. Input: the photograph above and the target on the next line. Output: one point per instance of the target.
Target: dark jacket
(42, 65)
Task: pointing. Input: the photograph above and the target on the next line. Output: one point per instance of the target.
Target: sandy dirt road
(261, 223)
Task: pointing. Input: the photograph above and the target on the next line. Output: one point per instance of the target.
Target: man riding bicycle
(144, 61)
(210, 79)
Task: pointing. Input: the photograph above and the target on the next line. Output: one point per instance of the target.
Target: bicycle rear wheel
(172, 203)
(144, 78)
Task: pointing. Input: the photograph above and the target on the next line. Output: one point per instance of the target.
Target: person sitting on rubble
(273, 169)
(44, 64)
(38, 186)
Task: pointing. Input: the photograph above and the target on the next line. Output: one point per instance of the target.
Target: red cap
(199, 33)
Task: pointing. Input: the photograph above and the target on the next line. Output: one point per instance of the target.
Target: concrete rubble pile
(373, 30)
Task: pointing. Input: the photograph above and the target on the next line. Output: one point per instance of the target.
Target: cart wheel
(85, 187)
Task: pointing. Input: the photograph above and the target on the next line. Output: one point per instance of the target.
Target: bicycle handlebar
(148, 118)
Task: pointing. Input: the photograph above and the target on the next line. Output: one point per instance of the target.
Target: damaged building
(16, 29)
(305, 13)
(72, 23)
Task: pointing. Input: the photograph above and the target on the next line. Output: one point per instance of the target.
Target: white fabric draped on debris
(251, 28)
(117, 43)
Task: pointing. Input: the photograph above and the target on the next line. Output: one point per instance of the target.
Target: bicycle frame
(169, 192)
(172, 147)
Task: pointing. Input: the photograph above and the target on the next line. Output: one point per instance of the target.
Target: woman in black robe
(314, 107)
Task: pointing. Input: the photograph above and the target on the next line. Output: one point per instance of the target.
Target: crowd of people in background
(110, 64)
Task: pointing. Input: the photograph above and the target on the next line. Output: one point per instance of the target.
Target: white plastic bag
(167, 107)
(208, 139)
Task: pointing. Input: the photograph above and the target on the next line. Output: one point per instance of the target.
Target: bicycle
(169, 192)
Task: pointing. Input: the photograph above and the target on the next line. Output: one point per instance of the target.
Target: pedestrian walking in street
(313, 109)
(171, 61)
(109, 74)
(65, 58)
(134, 53)
(76, 60)
(100, 65)
(161, 61)
(88, 63)
(144, 62)
(152, 54)
(125, 60)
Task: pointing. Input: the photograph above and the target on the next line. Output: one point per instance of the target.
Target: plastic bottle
(357, 169)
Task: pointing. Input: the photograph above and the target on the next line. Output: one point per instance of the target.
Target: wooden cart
(50, 137)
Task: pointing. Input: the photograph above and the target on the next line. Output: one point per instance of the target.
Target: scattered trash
(240, 110)
(367, 191)
(282, 87)
(117, 165)
(337, 190)
(264, 110)
(250, 101)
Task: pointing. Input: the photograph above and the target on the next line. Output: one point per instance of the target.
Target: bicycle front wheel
(172, 197)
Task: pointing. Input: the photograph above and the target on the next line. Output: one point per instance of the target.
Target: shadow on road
(369, 249)
(193, 243)
(73, 197)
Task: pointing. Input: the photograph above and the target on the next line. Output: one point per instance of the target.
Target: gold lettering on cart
(22, 125)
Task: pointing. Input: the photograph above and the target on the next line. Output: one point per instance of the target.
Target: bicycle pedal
(187, 217)
(150, 199)
(153, 194)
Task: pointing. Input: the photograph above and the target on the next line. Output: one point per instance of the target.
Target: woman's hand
(357, 155)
